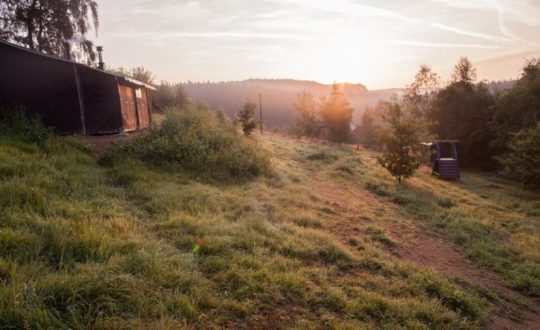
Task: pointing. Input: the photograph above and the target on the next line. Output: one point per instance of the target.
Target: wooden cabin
(70, 97)
(444, 159)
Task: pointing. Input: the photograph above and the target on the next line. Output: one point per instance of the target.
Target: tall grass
(16, 122)
(132, 245)
(492, 220)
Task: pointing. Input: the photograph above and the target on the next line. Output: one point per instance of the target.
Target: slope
(326, 241)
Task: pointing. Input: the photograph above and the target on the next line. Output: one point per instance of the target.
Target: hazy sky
(377, 43)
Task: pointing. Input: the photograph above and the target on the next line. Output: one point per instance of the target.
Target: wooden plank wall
(129, 108)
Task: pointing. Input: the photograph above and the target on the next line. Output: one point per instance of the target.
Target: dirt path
(417, 244)
(102, 142)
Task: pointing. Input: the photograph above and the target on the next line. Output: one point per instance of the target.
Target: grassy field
(325, 240)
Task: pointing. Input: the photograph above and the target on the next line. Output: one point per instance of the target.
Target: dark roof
(61, 59)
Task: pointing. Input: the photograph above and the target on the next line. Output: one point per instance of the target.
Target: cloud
(479, 35)
(351, 9)
(208, 35)
(523, 11)
(416, 43)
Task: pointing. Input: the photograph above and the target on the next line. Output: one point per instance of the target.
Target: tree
(245, 117)
(139, 73)
(463, 111)
(399, 141)
(142, 74)
(169, 95)
(464, 71)
(305, 107)
(522, 161)
(420, 93)
(51, 25)
(519, 107)
(336, 113)
(367, 128)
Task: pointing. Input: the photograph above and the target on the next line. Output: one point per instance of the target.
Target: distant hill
(278, 96)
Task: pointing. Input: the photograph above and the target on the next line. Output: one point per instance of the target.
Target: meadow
(318, 236)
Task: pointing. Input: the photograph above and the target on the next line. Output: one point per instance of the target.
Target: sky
(380, 43)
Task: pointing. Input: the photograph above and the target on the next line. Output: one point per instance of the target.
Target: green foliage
(170, 96)
(305, 107)
(336, 113)
(245, 117)
(48, 26)
(519, 107)
(195, 140)
(17, 122)
(463, 111)
(400, 143)
(522, 161)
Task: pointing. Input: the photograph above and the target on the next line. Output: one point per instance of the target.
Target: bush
(17, 122)
(522, 162)
(195, 140)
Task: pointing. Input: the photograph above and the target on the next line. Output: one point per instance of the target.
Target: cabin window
(138, 93)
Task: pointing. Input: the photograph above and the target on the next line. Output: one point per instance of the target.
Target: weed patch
(194, 140)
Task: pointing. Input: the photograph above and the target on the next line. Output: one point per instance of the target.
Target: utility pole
(260, 112)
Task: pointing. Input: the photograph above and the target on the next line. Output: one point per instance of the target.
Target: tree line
(497, 132)
(329, 117)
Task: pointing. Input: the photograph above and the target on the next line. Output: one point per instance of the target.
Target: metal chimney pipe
(101, 65)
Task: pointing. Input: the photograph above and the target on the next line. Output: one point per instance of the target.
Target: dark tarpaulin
(46, 86)
(42, 86)
(101, 101)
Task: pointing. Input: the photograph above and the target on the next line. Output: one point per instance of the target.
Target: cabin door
(142, 108)
(129, 108)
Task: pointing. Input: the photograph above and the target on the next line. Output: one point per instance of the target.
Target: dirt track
(419, 245)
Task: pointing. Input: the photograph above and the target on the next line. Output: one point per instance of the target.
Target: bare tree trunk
(30, 24)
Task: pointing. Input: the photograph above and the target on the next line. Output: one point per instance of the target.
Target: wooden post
(80, 97)
(260, 112)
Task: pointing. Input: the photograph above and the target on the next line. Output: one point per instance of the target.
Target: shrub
(195, 140)
(245, 117)
(17, 122)
(522, 162)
